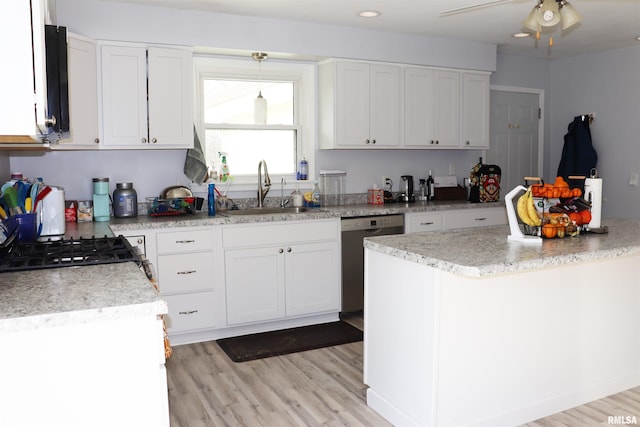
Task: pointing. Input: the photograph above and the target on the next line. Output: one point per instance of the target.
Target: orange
(549, 231)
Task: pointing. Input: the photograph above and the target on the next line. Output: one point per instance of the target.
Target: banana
(532, 211)
(522, 207)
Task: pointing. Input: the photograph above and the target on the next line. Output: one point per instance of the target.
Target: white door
(514, 143)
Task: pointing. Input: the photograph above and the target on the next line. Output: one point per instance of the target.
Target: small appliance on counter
(52, 215)
(406, 189)
(101, 211)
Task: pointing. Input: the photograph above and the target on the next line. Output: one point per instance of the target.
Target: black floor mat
(276, 343)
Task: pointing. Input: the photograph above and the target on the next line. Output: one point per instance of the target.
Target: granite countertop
(58, 296)
(200, 219)
(485, 251)
(75, 295)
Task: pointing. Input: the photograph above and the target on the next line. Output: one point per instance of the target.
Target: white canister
(51, 213)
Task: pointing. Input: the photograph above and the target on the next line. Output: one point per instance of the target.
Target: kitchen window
(226, 91)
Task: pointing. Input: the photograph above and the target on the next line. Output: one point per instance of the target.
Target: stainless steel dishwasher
(354, 230)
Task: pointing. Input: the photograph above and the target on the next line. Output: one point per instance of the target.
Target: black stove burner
(67, 253)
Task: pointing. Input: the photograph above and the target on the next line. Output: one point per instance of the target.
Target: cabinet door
(352, 104)
(83, 93)
(124, 96)
(419, 107)
(384, 108)
(447, 109)
(170, 98)
(475, 111)
(254, 283)
(312, 278)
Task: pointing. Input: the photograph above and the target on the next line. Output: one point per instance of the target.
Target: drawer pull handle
(185, 241)
(188, 312)
(186, 272)
(427, 223)
(481, 219)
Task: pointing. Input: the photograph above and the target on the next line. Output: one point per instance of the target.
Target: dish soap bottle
(224, 169)
(315, 196)
(211, 200)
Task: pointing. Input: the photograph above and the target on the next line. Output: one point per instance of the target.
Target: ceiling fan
(546, 14)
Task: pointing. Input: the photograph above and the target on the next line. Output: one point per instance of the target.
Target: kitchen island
(82, 346)
(466, 328)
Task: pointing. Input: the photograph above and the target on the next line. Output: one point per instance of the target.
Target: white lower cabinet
(467, 218)
(281, 270)
(449, 220)
(422, 221)
(185, 266)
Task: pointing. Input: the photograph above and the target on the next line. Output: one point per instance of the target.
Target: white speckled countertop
(485, 251)
(73, 295)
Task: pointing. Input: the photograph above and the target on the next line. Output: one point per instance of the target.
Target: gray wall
(607, 84)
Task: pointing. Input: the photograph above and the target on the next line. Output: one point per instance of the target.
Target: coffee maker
(101, 211)
(406, 189)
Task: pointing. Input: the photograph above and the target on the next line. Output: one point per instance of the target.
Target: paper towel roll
(593, 193)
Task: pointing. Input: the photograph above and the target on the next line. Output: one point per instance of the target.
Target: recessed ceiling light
(369, 13)
(521, 35)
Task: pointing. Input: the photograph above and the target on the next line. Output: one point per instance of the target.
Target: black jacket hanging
(578, 154)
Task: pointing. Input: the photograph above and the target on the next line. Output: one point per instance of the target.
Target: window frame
(304, 74)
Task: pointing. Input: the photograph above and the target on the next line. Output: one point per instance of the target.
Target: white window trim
(305, 73)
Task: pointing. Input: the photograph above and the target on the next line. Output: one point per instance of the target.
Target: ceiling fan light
(570, 16)
(549, 15)
(531, 21)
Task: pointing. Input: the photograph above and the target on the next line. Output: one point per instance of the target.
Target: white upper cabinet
(373, 105)
(82, 70)
(146, 97)
(475, 110)
(360, 105)
(432, 108)
(23, 83)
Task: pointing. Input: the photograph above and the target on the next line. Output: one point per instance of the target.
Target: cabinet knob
(140, 241)
(144, 140)
(367, 141)
(373, 141)
(185, 241)
(97, 140)
(437, 141)
(432, 142)
(188, 312)
(154, 140)
(427, 223)
(467, 142)
(280, 250)
(481, 219)
(288, 249)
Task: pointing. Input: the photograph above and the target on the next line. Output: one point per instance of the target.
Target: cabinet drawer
(185, 241)
(261, 234)
(185, 272)
(417, 222)
(190, 311)
(475, 218)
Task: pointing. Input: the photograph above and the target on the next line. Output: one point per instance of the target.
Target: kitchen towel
(195, 163)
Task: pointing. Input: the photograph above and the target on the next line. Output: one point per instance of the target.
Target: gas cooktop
(67, 253)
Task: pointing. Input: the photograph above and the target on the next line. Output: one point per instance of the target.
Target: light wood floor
(313, 388)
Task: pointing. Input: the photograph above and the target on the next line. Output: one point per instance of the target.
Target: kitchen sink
(265, 211)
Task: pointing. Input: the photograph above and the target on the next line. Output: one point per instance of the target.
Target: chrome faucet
(283, 201)
(262, 191)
